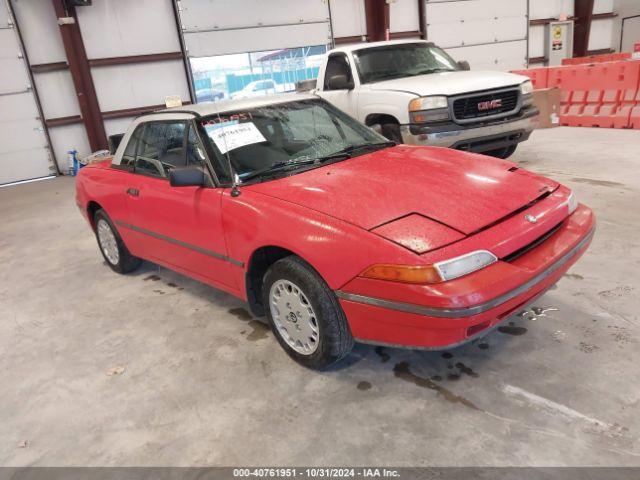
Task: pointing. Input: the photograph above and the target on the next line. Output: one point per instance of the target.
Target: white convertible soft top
(187, 112)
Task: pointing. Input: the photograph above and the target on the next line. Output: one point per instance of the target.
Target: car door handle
(134, 192)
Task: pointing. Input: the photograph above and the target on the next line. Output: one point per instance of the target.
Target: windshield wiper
(279, 167)
(351, 149)
(432, 70)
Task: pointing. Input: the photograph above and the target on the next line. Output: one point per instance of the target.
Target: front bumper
(480, 137)
(502, 289)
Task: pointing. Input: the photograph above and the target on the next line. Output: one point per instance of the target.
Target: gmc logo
(490, 104)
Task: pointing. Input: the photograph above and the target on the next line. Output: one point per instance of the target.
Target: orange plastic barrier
(607, 57)
(601, 95)
(634, 112)
(553, 76)
(605, 94)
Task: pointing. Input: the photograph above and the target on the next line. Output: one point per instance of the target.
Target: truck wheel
(392, 132)
(112, 247)
(505, 152)
(305, 314)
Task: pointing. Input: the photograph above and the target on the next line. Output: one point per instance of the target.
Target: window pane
(129, 155)
(311, 123)
(283, 134)
(195, 152)
(401, 60)
(161, 148)
(252, 74)
(337, 65)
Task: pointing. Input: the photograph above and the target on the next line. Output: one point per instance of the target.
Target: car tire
(304, 314)
(113, 249)
(392, 132)
(503, 153)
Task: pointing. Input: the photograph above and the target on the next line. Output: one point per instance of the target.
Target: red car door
(180, 227)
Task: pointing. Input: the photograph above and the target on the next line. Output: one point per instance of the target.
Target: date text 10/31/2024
(327, 472)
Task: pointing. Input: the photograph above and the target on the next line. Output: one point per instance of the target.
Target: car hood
(450, 83)
(462, 190)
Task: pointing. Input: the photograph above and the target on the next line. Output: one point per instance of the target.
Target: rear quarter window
(129, 155)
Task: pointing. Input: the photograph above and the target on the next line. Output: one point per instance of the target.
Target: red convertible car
(332, 232)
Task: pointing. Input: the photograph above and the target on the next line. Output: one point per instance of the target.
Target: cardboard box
(548, 102)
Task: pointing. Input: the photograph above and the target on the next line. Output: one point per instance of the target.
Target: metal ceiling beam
(111, 61)
(81, 74)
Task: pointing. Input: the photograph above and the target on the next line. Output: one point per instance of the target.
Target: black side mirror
(187, 177)
(464, 65)
(340, 82)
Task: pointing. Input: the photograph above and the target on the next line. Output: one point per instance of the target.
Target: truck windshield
(401, 60)
(285, 137)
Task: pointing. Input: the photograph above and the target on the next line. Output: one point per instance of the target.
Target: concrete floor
(205, 385)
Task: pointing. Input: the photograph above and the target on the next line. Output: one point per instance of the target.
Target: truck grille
(485, 105)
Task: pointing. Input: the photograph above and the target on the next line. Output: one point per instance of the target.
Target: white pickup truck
(415, 93)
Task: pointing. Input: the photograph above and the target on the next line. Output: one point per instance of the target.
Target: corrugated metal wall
(122, 28)
(219, 27)
(41, 35)
(348, 18)
(490, 34)
(602, 29)
(114, 28)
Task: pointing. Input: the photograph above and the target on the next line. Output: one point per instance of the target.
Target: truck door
(344, 99)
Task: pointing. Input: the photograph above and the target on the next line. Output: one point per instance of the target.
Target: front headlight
(572, 202)
(438, 272)
(428, 103)
(526, 88)
(428, 109)
(465, 264)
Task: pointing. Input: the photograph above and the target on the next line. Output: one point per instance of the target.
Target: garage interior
(156, 369)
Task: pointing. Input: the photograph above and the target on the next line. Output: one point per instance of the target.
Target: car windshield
(401, 60)
(286, 137)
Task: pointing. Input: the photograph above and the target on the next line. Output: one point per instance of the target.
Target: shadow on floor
(424, 368)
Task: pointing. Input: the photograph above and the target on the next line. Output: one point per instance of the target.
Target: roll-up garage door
(219, 27)
(24, 152)
(248, 48)
(489, 34)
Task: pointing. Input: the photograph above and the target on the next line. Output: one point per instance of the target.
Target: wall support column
(582, 26)
(377, 14)
(423, 19)
(81, 74)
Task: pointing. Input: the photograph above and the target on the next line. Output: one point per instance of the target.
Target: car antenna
(235, 191)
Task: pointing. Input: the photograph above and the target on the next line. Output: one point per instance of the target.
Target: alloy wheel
(108, 243)
(294, 317)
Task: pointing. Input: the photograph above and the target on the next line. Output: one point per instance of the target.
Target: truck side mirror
(191, 176)
(464, 65)
(114, 141)
(340, 82)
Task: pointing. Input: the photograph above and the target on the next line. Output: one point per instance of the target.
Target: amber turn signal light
(403, 273)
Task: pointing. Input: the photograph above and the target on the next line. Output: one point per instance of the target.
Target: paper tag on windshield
(230, 137)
